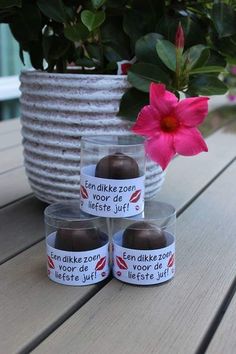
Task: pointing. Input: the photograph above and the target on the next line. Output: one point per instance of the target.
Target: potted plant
(77, 49)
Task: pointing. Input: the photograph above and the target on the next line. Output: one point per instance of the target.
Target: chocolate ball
(143, 236)
(84, 239)
(117, 166)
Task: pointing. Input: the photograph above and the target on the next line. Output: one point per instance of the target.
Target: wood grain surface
(174, 317)
(197, 171)
(11, 158)
(41, 305)
(10, 139)
(30, 304)
(21, 225)
(224, 340)
(13, 185)
(9, 125)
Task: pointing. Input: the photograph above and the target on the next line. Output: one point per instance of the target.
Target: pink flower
(170, 125)
(179, 37)
(232, 97)
(233, 70)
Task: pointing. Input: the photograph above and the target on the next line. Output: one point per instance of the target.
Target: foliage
(96, 34)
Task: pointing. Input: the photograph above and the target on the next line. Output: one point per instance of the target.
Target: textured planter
(56, 110)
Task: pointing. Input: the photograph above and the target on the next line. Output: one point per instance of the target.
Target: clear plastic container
(144, 245)
(77, 245)
(112, 175)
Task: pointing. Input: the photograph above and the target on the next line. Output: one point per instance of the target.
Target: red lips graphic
(101, 264)
(171, 261)
(83, 192)
(135, 196)
(121, 263)
(51, 263)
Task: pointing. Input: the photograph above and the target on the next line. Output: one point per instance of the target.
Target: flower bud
(179, 37)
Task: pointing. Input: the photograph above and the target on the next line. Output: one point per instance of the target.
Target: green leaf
(10, 3)
(145, 48)
(55, 47)
(196, 56)
(93, 51)
(114, 38)
(112, 54)
(114, 4)
(85, 62)
(92, 20)
(36, 54)
(226, 45)
(98, 3)
(208, 69)
(207, 85)
(224, 18)
(131, 103)
(135, 24)
(26, 23)
(53, 9)
(166, 52)
(21, 55)
(140, 76)
(76, 32)
(215, 59)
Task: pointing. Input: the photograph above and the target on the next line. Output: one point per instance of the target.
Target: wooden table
(194, 313)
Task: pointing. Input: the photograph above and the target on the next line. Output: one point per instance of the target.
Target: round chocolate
(83, 239)
(117, 166)
(144, 236)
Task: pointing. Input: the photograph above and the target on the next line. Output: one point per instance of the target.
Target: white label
(77, 268)
(109, 197)
(142, 267)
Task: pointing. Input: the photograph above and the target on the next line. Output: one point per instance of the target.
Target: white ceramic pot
(56, 110)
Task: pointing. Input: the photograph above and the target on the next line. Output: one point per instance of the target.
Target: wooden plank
(9, 125)
(186, 176)
(24, 223)
(30, 303)
(38, 323)
(13, 185)
(224, 340)
(172, 318)
(193, 173)
(200, 171)
(10, 139)
(10, 159)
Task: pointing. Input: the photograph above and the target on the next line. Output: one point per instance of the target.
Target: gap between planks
(10, 125)
(35, 255)
(173, 318)
(190, 185)
(169, 190)
(215, 341)
(224, 340)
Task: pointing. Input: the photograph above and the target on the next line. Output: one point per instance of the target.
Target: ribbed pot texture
(56, 111)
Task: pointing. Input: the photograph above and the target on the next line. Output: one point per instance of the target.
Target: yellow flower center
(169, 124)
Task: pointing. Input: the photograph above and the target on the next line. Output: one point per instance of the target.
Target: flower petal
(160, 149)
(189, 141)
(164, 101)
(192, 111)
(148, 122)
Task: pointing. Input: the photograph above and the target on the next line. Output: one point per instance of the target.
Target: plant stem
(101, 50)
(177, 71)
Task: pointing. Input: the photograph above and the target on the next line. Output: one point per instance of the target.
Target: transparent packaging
(77, 245)
(112, 175)
(144, 245)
